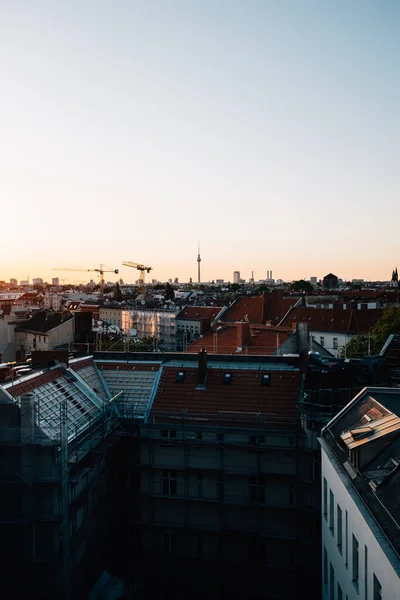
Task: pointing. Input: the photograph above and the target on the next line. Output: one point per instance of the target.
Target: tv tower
(198, 264)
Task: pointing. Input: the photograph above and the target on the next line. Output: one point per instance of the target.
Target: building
(192, 322)
(256, 340)
(158, 324)
(112, 315)
(13, 282)
(44, 331)
(333, 328)
(330, 282)
(55, 281)
(53, 435)
(236, 276)
(360, 450)
(203, 470)
(52, 301)
(37, 281)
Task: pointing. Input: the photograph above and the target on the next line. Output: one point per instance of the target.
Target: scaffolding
(243, 472)
(54, 471)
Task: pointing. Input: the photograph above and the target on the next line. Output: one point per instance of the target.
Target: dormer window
(227, 378)
(180, 377)
(266, 380)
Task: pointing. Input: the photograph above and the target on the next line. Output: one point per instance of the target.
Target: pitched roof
(43, 321)
(244, 402)
(334, 320)
(193, 313)
(264, 340)
(260, 309)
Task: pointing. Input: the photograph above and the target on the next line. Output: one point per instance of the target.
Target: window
(331, 582)
(257, 489)
(169, 483)
(171, 435)
(322, 341)
(355, 565)
(227, 378)
(339, 592)
(180, 377)
(169, 542)
(377, 589)
(366, 572)
(199, 436)
(325, 500)
(339, 528)
(220, 437)
(325, 574)
(266, 380)
(346, 535)
(332, 512)
(199, 484)
(335, 343)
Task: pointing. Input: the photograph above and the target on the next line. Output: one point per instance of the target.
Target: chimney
(302, 337)
(242, 335)
(202, 373)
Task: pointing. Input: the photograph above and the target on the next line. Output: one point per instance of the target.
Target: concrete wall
(7, 341)
(376, 556)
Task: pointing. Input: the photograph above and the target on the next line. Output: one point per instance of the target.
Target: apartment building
(159, 324)
(360, 489)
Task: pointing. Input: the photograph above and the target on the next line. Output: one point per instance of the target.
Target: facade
(111, 315)
(52, 302)
(333, 328)
(44, 331)
(192, 322)
(159, 324)
(360, 487)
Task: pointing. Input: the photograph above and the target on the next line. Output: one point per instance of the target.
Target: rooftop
(364, 439)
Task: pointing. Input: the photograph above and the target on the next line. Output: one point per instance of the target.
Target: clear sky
(267, 129)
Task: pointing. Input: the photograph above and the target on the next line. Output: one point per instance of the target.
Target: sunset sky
(268, 130)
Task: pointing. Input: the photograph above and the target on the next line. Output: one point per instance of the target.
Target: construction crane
(142, 268)
(103, 269)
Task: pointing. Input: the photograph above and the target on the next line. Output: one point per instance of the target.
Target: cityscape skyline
(269, 131)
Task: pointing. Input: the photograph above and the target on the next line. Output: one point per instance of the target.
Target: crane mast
(143, 270)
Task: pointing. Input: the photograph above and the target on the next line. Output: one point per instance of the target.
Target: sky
(267, 129)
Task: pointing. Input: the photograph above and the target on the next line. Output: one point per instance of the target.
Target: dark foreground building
(181, 474)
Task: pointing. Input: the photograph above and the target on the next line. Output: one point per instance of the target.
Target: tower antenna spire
(198, 263)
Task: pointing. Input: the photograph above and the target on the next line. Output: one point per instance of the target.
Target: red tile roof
(245, 402)
(260, 309)
(18, 389)
(264, 340)
(193, 313)
(334, 320)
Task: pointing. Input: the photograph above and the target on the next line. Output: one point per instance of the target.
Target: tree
(387, 324)
(117, 293)
(301, 286)
(364, 345)
(169, 292)
(359, 347)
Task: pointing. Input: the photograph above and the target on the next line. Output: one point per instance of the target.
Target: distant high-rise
(55, 281)
(198, 264)
(236, 276)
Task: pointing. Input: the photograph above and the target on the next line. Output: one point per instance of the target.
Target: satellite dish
(132, 332)
(143, 302)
